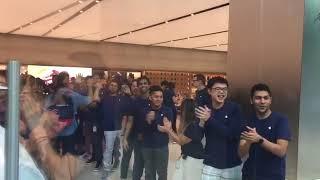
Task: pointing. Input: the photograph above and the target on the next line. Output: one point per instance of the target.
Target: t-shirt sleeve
(79, 100)
(169, 114)
(283, 130)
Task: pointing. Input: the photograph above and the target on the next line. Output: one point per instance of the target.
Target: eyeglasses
(225, 89)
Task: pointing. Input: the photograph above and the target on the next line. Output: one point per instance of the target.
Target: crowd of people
(72, 122)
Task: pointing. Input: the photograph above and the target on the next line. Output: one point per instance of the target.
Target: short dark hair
(260, 87)
(171, 85)
(164, 83)
(131, 75)
(117, 82)
(215, 80)
(155, 88)
(145, 78)
(61, 76)
(200, 77)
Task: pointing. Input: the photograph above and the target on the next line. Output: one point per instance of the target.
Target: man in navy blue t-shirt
(134, 126)
(155, 142)
(222, 130)
(265, 139)
(111, 109)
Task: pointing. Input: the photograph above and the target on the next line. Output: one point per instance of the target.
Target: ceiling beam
(164, 22)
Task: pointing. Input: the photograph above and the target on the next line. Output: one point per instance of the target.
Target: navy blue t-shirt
(152, 137)
(222, 132)
(112, 109)
(137, 108)
(194, 148)
(261, 163)
(202, 97)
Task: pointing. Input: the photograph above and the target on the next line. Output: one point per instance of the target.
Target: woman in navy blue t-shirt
(189, 136)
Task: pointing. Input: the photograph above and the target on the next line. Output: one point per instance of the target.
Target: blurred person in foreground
(43, 126)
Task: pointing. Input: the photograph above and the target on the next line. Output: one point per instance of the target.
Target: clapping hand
(203, 113)
(167, 126)
(150, 117)
(251, 135)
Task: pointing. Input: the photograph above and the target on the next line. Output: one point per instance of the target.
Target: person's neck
(113, 94)
(200, 87)
(155, 107)
(265, 115)
(217, 105)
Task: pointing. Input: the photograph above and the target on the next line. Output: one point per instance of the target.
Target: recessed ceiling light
(130, 32)
(80, 2)
(167, 22)
(59, 10)
(31, 23)
(218, 45)
(97, 1)
(191, 14)
(188, 38)
(81, 11)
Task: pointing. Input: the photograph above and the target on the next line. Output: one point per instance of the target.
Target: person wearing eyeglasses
(265, 139)
(222, 130)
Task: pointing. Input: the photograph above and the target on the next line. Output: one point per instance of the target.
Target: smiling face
(218, 93)
(113, 88)
(156, 99)
(261, 101)
(144, 86)
(134, 88)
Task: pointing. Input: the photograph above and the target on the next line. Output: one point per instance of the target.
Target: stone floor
(89, 174)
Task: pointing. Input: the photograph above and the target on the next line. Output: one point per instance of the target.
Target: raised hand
(35, 116)
(251, 135)
(150, 117)
(90, 82)
(167, 126)
(30, 107)
(166, 123)
(79, 78)
(203, 113)
(98, 85)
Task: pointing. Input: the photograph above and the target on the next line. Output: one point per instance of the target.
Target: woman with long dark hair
(67, 102)
(189, 136)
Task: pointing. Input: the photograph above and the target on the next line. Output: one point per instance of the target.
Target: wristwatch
(261, 140)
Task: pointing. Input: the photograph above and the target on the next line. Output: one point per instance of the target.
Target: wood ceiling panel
(14, 13)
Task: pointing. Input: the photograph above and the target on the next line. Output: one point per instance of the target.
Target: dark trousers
(97, 150)
(126, 159)
(156, 162)
(65, 144)
(138, 163)
(116, 150)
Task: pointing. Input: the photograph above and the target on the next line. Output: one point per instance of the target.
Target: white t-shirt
(27, 168)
